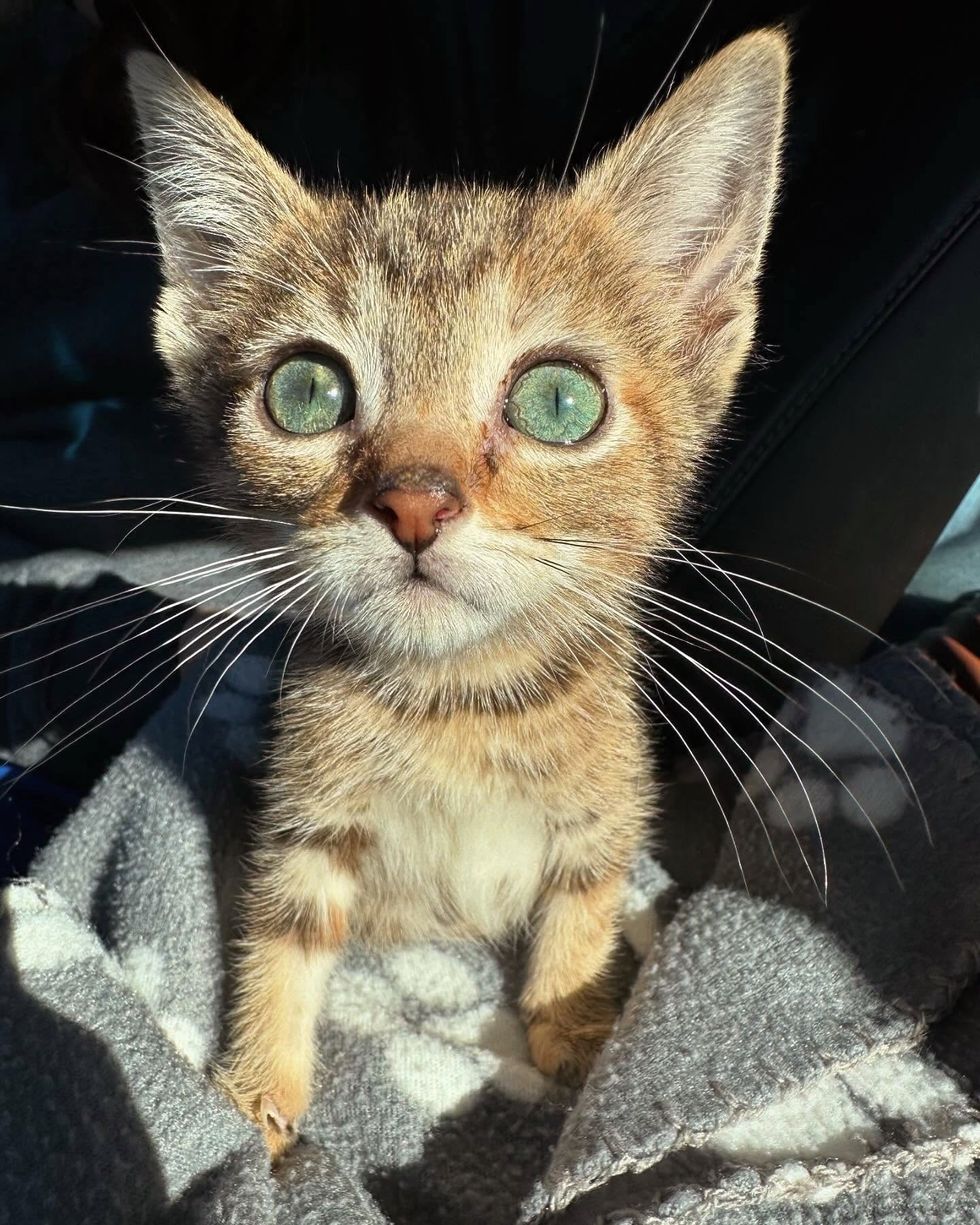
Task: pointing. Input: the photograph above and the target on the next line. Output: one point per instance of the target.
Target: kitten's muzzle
(414, 503)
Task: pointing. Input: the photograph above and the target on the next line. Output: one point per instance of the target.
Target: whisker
(732, 690)
(689, 637)
(203, 570)
(907, 786)
(660, 666)
(588, 99)
(183, 501)
(186, 514)
(305, 583)
(677, 59)
(690, 752)
(725, 574)
(641, 590)
(113, 710)
(245, 600)
(299, 633)
(154, 502)
(182, 600)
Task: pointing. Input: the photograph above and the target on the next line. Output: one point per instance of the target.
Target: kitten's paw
(565, 1040)
(278, 1126)
(277, 1111)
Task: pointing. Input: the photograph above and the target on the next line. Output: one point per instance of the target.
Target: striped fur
(462, 756)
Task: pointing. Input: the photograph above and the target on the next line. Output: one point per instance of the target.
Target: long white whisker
(153, 502)
(113, 709)
(588, 98)
(726, 574)
(660, 666)
(174, 638)
(185, 501)
(677, 59)
(680, 736)
(185, 514)
(299, 634)
(689, 637)
(306, 585)
(734, 689)
(908, 786)
(183, 601)
(205, 570)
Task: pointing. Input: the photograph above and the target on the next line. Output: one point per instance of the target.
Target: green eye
(309, 394)
(556, 402)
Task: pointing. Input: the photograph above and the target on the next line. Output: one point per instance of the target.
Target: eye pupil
(309, 393)
(556, 402)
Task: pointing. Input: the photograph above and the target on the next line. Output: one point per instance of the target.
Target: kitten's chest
(467, 860)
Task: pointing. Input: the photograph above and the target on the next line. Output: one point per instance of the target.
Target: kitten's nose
(415, 504)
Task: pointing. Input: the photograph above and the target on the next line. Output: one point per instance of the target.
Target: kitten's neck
(507, 675)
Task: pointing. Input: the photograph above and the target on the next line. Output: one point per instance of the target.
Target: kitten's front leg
(294, 923)
(569, 1001)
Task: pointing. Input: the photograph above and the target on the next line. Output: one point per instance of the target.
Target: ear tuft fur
(213, 190)
(691, 193)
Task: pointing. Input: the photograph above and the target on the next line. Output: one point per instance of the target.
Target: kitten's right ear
(214, 192)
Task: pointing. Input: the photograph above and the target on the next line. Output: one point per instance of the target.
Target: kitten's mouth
(417, 577)
(417, 581)
(424, 587)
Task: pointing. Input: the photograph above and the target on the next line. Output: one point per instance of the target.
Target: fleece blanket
(780, 1058)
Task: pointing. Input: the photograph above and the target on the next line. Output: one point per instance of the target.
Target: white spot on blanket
(144, 969)
(186, 1037)
(847, 1114)
(51, 939)
(361, 1002)
(639, 922)
(437, 1077)
(45, 935)
(434, 978)
(443, 1034)
(821, 1120)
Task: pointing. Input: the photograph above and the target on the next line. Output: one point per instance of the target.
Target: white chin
(419, 619)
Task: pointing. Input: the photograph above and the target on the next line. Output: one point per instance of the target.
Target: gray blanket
(778, 1060)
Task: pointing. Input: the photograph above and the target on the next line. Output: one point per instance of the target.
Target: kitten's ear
(691, 191)
(214, 191)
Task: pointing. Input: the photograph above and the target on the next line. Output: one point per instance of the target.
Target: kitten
(439, 396)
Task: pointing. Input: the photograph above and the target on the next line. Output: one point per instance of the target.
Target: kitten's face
(509, 373)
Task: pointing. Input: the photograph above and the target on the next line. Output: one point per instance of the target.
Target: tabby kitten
(439, 395)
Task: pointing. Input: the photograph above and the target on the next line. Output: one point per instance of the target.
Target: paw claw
(271, 1116)
(276, 1112)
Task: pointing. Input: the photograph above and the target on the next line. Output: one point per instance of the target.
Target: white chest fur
(467, 862)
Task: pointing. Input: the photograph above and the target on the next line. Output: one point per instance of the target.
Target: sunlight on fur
(452, 429)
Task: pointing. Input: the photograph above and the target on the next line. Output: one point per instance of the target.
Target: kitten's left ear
(215, 193)
(690, 193)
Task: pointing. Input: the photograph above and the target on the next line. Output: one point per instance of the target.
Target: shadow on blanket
(83, 1147)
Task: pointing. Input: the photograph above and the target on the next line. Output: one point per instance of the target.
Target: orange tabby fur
(463, 756)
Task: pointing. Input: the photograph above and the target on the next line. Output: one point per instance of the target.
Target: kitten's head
(441, 389)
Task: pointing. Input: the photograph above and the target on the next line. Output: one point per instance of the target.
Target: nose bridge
(417, 447)
(419, 480)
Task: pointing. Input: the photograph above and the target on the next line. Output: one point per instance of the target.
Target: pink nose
(415, 516)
